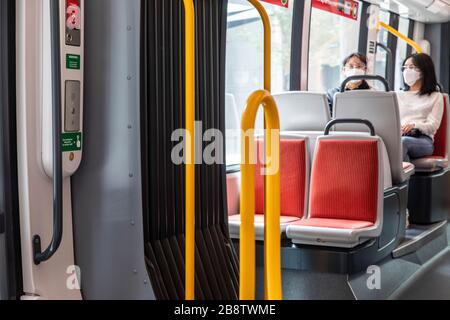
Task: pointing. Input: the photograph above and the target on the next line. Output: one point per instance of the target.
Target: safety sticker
(72, 141)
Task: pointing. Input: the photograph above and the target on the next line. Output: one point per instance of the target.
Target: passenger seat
(346, 193)
(440, 159)
(294, 171)
(381, 109)
(302, 111)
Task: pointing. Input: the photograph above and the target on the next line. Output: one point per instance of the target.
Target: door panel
(10, 267)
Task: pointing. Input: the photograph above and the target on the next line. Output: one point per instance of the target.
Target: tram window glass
(244, 62)
(402, 50)
(332, 38)
(381, 59)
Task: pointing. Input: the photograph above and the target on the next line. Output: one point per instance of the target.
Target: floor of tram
(432, 282)
(420, 274)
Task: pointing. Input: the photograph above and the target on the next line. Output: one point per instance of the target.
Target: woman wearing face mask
(421, 107)
(354, 65)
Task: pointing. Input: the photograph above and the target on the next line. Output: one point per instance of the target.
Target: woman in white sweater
(421, 107)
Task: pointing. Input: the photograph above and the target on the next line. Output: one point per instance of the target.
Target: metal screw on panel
(130, 126)
(145, 282)
(129, 78)
(129, 28)
(135, 271)
(132, 222)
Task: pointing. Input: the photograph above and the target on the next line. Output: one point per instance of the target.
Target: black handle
(440, 88)
(334, 122)
(365, 77)
(40, 256)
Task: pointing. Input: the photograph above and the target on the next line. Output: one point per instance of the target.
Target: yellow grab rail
(272, 239)
(267, 43)
(190, 148)
(400, 35)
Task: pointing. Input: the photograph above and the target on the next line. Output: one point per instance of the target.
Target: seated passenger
(354, 65)
(421, 107)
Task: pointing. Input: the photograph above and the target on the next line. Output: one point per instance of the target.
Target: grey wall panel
(10, 260)
(106, 191)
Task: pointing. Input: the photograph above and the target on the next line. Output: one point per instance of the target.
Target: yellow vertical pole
(273, 287)
(267, 43)
(267, 135)
(190, 148)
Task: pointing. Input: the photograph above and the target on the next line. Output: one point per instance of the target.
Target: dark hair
(357, 55)
(426, 66)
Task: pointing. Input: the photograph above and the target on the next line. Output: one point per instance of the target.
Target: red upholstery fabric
(293, 178)
(440, 139)
(259, 218)
(334, 223)
(345, 180)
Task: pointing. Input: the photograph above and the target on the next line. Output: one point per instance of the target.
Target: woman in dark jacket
(354, 65)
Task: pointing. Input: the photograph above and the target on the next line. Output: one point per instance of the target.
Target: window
(332, 38)
(402, 50)
(381, 59)
(244, 66)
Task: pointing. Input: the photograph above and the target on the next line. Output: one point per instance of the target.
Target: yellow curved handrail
(267, 43)
(400, 35)
(190, 148)
(272, 239)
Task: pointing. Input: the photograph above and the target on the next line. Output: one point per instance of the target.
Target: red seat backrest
(292, 181)
(440, 139)
(344, 181)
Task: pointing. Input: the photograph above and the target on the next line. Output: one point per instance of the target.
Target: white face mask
(354, 72)
(411, 76)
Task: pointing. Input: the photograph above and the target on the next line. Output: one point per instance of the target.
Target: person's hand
(407, 128)
(353, 85)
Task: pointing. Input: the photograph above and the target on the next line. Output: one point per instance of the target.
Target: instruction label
(72, 141)
(73, 61)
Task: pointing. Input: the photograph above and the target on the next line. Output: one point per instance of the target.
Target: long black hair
(426, 66)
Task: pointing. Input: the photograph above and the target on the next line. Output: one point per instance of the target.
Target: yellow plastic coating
(267, 43)
(273, 286)
(190, 148)
(400, 35)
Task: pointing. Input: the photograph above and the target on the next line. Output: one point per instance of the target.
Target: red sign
(73, 14)
(345, 8)
(281, 3)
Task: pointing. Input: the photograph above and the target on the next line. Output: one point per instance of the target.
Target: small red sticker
(344, 8)
(281, 3)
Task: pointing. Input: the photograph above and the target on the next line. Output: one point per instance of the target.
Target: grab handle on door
(39, 255)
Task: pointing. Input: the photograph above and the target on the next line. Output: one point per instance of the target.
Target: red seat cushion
(292, 180)
(344, 181)
(334, 223)
(440, 139)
